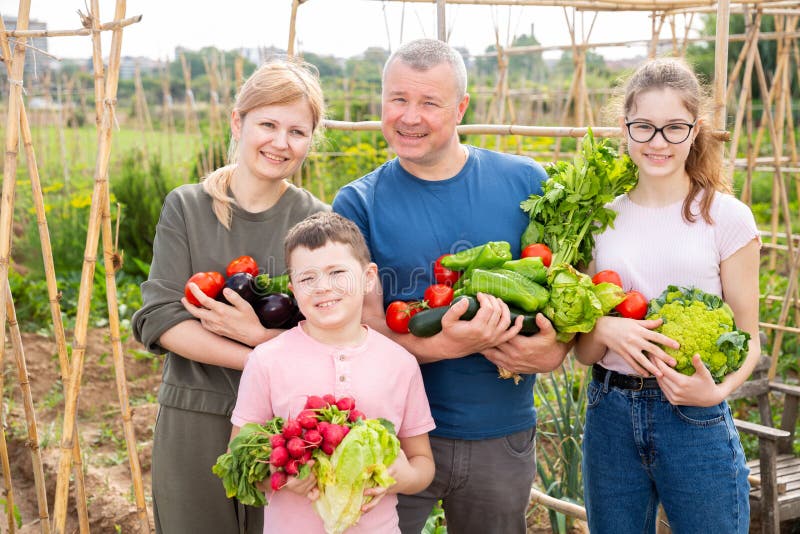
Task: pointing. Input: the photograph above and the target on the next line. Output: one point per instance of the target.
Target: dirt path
(107, 472)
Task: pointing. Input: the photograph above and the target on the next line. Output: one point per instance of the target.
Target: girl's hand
(237, 321)
(637, 343)
(696, 390)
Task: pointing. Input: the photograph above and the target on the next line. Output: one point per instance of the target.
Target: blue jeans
(639, 450)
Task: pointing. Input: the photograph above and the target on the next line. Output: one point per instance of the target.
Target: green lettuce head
(573, 306)
(360, 461)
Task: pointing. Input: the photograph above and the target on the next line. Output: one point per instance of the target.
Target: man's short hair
(424, 54)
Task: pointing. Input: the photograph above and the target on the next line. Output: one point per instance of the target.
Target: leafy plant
(16, 512)
(561, 400)
(436, 522)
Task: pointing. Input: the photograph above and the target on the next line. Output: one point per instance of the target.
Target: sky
(342, 28)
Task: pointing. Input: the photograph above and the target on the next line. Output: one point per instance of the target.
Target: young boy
(332, 352)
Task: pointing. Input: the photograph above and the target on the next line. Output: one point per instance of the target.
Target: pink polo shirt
(379, 374)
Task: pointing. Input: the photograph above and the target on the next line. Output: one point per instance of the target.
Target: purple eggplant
(274, 309)
(242, 283)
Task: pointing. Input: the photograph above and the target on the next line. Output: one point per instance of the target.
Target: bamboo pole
(115, 25)
(441, 26)
(30, 412)
(739, 37)
(112, 263)
(52, 288)
(4, 461)
(7, 202)
(745, 90)
(566, 508)
(166, 112)
(87, 276)
(505, 129)
(721, 63)
(292, 28)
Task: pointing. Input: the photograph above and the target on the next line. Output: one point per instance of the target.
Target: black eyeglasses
(674, 133)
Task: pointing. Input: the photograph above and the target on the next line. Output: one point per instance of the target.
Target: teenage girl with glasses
(652, 434)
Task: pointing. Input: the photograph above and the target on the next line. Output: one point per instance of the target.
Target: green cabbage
(359, 462)
(575, 302)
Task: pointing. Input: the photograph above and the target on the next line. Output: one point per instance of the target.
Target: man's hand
(539, 353)
(490, 327)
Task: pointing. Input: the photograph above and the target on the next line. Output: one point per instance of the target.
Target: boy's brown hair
(319, 229)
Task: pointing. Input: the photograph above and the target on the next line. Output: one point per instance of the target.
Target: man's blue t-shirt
(408, 223)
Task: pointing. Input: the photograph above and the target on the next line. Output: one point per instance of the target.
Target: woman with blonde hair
(244, 208)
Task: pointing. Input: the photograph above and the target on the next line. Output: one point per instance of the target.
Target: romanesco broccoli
(703, 324)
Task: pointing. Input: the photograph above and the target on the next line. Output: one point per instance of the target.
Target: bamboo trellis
(71, 371)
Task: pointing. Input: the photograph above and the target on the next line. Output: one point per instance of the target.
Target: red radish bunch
(318, 429)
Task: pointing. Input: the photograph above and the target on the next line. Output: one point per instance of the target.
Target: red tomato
(442, 274)
(634, 306)
(210, 283)
(607, 276)
(242, 264)
(398, 314)
(439, 295)
(538, 250)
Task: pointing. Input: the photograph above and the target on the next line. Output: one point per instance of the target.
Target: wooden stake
(87, 274)
(30, 413)
(7, 200)
(52, 288)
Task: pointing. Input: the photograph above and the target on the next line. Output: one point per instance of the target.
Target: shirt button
(342, 378)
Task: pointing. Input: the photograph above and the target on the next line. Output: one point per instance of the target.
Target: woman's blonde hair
(704, 165)
(277, 82)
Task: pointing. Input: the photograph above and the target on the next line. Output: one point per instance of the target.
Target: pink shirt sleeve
(252, 402)
(417, 417)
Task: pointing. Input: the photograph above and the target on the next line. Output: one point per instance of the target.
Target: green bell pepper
(531, 268)
(486, 256)
(511, 287)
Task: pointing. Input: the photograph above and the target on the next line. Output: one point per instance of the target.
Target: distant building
(127, 66)
(35, 62)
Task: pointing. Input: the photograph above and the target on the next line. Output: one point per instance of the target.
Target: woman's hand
(237, 321)
(637, 343)
(696, 390)
(302, 486)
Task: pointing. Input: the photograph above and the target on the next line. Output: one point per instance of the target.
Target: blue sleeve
(348, 203)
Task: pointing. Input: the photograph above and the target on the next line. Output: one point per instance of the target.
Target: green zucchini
(428, 322)
(529, 326)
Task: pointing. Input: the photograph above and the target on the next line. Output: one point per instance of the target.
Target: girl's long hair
(277, 82)
(704, 165)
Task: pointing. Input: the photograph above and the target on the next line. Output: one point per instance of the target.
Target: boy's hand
(306, 486)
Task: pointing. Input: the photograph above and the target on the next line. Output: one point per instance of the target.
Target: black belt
(618, 380)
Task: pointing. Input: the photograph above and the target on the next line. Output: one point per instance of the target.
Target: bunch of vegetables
(703, 324)
(269, 296)
(568, 298)
(566, 217)
(572, 207)
(350, 453)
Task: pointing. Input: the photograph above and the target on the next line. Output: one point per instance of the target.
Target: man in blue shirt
(439, 196)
